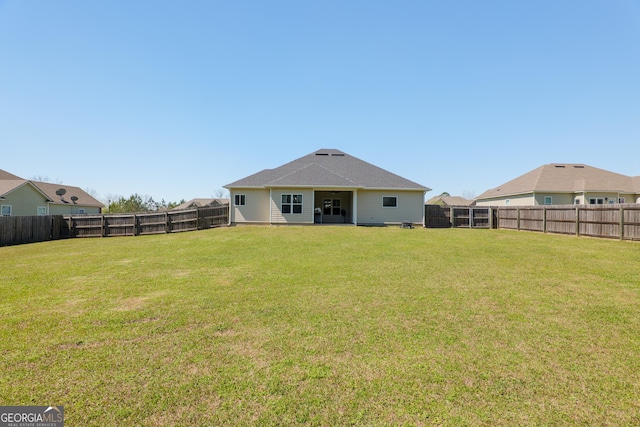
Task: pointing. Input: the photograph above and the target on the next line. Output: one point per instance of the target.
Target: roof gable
(328, 168)
(565, 178)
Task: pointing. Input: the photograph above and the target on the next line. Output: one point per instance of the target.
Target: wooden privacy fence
(620, 221)
(139, 224)
(17, 230)
(607, 221)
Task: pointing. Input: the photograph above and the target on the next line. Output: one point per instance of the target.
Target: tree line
(138, 203)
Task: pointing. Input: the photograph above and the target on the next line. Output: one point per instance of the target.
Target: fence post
(577, 220)
(621, 222)
(544, 219)
(471, 221)
(518, 219)
(490, 212)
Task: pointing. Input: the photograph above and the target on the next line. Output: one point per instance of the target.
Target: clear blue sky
(174, 99)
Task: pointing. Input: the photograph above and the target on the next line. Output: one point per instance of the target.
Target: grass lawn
(324, 326)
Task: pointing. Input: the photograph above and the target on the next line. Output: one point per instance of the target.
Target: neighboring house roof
(327, 168)
(198, 203)
(450, 201)
(4, 175)
(72, 195)
(10, 182)
(565, 178)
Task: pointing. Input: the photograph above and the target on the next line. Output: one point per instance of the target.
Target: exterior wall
(277, 217)
(72, 209)
(520, 200)
(607, 198)
(370, 210)
(255, 210)
(556, 198)
(24, 201)
(559, 199)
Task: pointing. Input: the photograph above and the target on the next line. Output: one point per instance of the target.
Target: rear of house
(326, 187)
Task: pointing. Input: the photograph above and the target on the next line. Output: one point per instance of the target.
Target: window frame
(239, 200)
(41, 210)
(549, 198)
(386, 206)
(2, 210)
(291, 203)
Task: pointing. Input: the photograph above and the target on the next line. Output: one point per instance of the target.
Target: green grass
(324, 326)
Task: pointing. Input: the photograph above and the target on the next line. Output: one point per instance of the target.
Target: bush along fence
(30, 229)
(620, 221)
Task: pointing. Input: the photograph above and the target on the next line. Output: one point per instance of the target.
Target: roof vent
(559, 166)
(338, 154)
(578, 166)
(322, 154)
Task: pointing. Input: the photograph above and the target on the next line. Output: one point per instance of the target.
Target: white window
(596, 201)
(292, 203)
(507, 202)
(42, 210)
(389, 202)
(240, 200)
(548, 200)
(576, 201)
(5, 210)
(81, 211)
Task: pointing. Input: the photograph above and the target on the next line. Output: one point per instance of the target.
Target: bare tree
(220, 193)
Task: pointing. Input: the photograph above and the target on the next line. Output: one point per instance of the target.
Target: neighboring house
(22, 197)
(327, 186)
(564, 184)
(450, 201)
(200, 203)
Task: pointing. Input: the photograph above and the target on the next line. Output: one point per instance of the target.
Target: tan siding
(256, 208)
(370, 209)
(277, 217)
(522, 200)
(556, 198)
(24, 201)
(71, 209)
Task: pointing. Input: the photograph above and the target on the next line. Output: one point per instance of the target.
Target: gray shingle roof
(565, 178)
(327, 168)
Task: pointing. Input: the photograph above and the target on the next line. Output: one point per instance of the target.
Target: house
(564, 184)
(22, 197)
(450, 201)
(200, 203)
(329, 187)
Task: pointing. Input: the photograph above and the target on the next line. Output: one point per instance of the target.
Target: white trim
(2, 207)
